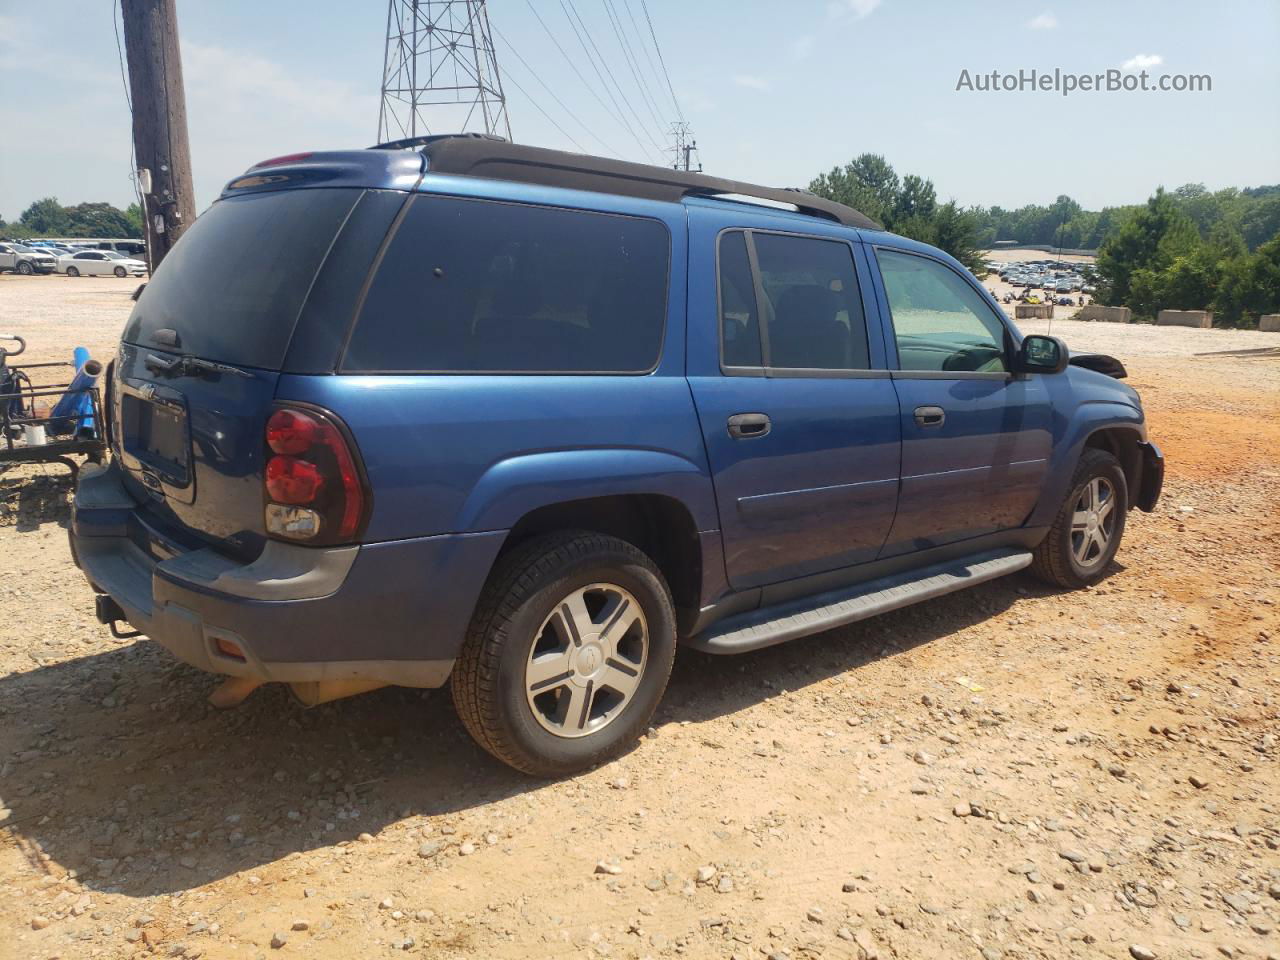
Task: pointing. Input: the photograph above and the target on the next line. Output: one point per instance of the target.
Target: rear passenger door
(793, 396)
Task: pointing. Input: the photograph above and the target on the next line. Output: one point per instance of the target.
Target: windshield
(232, 287)
(112, 255)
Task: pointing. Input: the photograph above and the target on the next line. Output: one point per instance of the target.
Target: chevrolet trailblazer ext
(455, 409)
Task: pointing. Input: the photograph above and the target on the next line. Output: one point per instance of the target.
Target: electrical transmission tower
(440, 72)
(683, 147)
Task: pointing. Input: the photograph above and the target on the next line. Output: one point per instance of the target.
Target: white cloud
(801, 47)
(1141, 62)
(855, 8)
(1046, 21)
(243, 107)
(752, 82)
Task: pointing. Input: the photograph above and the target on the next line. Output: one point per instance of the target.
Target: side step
(809, 615)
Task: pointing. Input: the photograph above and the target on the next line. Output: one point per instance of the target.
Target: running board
(809, 615)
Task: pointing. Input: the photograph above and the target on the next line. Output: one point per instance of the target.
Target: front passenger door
(976, 438)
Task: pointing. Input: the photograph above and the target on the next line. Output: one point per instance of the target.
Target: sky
(775, 92)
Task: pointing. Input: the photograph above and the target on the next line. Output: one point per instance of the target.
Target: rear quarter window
(479, 286)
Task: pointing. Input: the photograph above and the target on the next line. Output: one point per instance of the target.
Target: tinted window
(815, 318)
(939, 320)
(470, 286)
(232, 286)
(739, 319)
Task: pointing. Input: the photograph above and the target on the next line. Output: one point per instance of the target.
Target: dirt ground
(1008, 772)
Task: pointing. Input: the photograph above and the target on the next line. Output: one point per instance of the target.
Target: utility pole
(683, 147)
(161, 149)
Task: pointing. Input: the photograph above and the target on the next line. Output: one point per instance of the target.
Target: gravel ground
(1008, 772)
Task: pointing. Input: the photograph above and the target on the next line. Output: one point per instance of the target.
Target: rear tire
(1086, 533)
(121, 272)
(567, 655)
(72, 272)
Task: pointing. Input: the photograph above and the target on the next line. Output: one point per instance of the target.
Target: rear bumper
(393, 613)
(1152, 477)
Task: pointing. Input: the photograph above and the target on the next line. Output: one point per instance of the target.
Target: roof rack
(481, 155)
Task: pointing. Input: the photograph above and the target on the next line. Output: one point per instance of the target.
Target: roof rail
(480, 155)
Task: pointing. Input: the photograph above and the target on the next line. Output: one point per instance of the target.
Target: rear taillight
(314, 486)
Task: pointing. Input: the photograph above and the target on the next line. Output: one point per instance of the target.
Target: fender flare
(1088, 419)
(512, 487)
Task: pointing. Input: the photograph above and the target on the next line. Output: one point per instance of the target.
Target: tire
(25, 268)
(121, 272)
(1073, 554)
(73, 272)
(524, 614)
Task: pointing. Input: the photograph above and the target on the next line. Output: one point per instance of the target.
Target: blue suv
(458, 410)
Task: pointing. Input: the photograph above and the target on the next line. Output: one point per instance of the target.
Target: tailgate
(191, 444)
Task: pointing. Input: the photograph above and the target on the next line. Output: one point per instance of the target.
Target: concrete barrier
(1033, 311)
(1200, 319)
(1096, 311)
(1269, 323)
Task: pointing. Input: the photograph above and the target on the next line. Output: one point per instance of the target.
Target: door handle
(744, 426)
(930, 416)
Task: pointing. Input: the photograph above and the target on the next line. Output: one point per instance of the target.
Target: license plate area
(155, 433)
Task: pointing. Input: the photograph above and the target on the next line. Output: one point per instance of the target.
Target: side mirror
(1040, 354)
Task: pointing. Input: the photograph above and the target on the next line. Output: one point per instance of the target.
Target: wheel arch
(1123, 443)
(1117, 428)
(661, 526)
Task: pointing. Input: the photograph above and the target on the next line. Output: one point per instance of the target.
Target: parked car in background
(133, 248)
(100, 263)
(523, 421)
(25, 260)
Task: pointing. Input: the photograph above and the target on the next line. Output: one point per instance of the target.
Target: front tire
(568, 653)
(25, 269)
(1086, 533)
(72, 272)
(121, 272)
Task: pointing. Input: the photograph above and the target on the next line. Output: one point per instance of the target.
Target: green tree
(907, 206)
(1149, 239)
(134, 215)
(1260, 220)
(46, 216)
(1249, 286)
(98, 220)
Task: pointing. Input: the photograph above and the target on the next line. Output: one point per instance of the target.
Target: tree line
(1253, 212)
(1158, 258)
(49, 218)
(1187, 249)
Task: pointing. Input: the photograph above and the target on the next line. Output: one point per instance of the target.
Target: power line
(656, 46)
(537, 106)
(590, 89)
(554, 96)
(628, 55)
(635, 28)
(571, 11)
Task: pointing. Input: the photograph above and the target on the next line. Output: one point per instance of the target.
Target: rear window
(232, 287)
(477, 286)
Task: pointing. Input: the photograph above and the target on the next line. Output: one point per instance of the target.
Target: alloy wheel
(1093, 521)
(586, 661)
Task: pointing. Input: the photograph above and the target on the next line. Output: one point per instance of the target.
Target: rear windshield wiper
(187, 365)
